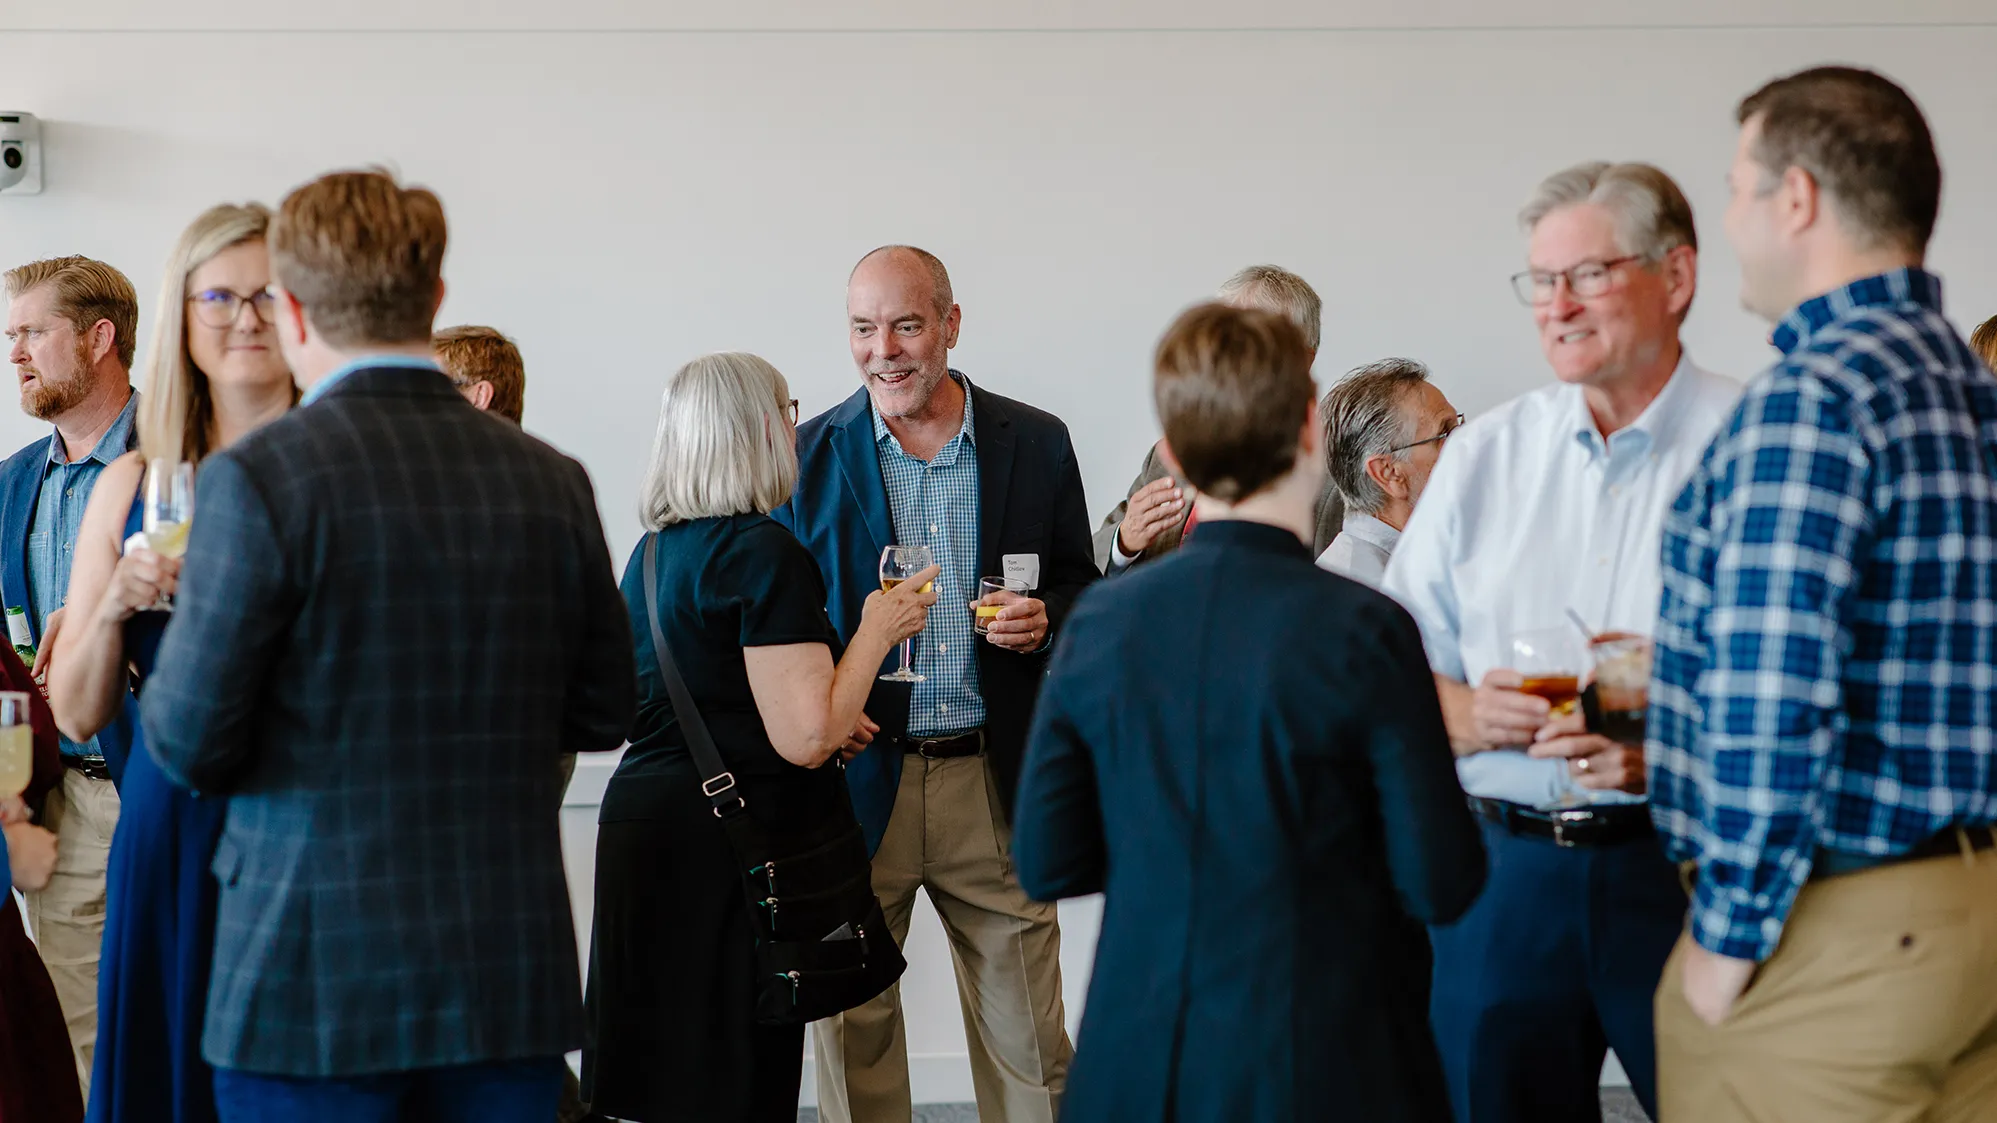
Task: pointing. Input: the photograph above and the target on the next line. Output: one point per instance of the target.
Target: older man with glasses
(1384, 426)
(1542, 525)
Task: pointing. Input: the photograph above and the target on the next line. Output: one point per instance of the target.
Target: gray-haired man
(1153, 517)
(1384, 425)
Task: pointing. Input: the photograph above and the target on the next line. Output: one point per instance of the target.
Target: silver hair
(1277, 290)
(721, 448)
(1363, 418)
(1651, 214)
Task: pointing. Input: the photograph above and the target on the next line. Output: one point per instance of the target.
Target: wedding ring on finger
(1584, 764)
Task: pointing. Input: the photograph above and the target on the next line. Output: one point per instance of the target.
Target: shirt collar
(1654, 427)
(1899, 286)
(115, 442)
(967, 433)
(405, 362)
(1371, 530)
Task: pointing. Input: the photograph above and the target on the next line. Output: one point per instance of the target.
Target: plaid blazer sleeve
(603, 685)
(235, 603)
(1759, 562)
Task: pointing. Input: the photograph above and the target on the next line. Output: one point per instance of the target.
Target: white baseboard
(945, 1078)
(933, 1078)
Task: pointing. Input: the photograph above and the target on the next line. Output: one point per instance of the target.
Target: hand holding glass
(898, 564)
(984, 610)
(1550, 661)
(17, 744)
(169, 513)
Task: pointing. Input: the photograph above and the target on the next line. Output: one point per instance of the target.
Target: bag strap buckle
(713, 788)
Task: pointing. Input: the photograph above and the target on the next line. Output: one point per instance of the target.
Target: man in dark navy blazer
(1246, 755)
(72, 330)
(919, 455)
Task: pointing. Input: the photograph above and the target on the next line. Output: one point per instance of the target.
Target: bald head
(909, 260)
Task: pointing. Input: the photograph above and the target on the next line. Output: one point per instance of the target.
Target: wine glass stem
(907, 654)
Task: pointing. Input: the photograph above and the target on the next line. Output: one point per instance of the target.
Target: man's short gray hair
(939, 277)
(1651, 214)
(1277, 290)
(1363, 418)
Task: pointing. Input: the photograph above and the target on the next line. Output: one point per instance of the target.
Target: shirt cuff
(1730, 921)
(1117, 558)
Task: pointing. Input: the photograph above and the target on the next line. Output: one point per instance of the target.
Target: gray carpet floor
(1618, 1106)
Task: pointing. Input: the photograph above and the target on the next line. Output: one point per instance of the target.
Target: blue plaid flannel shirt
(1826, 673)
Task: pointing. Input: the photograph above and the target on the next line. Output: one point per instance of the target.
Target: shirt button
(1603, 560)
(1615, 489)
(943, 649)
(932, 528)
(945, 707)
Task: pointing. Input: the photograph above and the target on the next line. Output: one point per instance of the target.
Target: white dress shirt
(1361, 549)
(1530, 513)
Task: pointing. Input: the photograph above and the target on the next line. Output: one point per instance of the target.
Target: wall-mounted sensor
(20, 153)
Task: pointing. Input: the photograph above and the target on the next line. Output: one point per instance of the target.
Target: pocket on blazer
(227, 865)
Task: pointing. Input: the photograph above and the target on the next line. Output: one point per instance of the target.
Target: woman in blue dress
(213, 373)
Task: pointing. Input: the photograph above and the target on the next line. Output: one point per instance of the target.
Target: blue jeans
(1557, 962)
(501, 1092)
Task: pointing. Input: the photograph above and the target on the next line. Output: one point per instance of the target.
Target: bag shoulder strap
(719, 782)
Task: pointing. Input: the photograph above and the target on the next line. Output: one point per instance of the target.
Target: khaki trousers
(1879, 1006)
(67, 917)
(948, 835)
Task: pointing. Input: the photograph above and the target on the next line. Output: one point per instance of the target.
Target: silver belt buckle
(925, 748)
(1561, 819)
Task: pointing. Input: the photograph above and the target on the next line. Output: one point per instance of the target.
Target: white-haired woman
(212, 374)
(742, 609)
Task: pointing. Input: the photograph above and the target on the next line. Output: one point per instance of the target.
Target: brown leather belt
(944, 748)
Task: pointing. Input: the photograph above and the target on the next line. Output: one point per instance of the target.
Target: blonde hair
(363, 254)
(1984, 342)
(721, 447)
(176, 410)
(86, 291)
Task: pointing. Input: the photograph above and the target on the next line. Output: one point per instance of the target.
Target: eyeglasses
(1448, 427)
(792, 405)
(1585, 281)
(218, 308)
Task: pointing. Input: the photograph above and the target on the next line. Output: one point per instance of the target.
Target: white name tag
(1022, 567)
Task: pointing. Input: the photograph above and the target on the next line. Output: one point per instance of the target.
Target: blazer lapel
(993, 427)
(853, 441)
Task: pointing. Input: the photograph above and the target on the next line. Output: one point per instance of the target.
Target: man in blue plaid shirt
(1824, 707)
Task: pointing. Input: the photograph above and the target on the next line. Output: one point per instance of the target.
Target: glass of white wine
(169, 513)
(898, 564)
(17, 744)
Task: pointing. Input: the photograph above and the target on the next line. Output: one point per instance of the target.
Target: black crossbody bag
(822, 945)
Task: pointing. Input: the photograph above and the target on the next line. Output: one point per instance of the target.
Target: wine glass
(898, 564)
(17, 744)
(169, 513)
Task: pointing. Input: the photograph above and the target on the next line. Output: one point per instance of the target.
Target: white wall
(633, 183)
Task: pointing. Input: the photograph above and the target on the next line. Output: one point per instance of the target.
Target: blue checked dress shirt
(935, 504)
(59, 508)
(1824, 674)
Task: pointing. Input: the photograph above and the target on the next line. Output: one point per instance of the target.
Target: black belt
(93, 767)
(944, 748)
(1600, 825)
(1834, 863)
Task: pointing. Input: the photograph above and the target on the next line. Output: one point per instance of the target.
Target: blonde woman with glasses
(212, 374)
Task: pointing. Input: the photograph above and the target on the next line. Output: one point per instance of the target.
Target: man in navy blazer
(920, 455)
(72, 327)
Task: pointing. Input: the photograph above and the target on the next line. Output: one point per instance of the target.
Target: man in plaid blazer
(394, 614)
